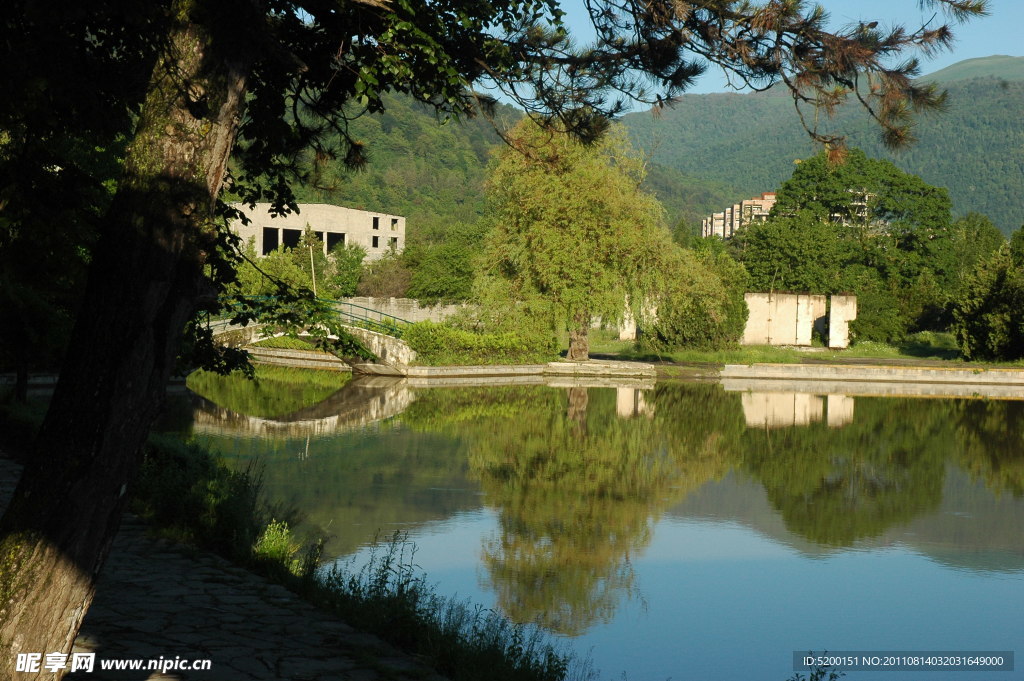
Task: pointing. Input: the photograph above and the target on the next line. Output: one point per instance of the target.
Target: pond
(675, 530)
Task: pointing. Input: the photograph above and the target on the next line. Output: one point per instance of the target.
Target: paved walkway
(155, 599)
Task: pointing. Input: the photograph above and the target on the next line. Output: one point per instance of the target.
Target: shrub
(443, 344)
(704, 305)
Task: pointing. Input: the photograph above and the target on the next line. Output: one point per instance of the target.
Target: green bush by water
(441, 344)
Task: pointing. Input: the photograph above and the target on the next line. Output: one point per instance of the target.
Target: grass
(741, 355)
(285, 343)
(390, 597)
(927, 345)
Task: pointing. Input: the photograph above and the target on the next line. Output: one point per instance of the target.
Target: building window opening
(291, 237)
(376, 242)
(269, 240)
(376, 222)
(394, 224)
(394, 243)
(334, 240)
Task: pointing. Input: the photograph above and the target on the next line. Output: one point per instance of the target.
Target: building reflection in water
(784, 409)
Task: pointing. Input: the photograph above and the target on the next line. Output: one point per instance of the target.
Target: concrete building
(725, 224)
(377, 233)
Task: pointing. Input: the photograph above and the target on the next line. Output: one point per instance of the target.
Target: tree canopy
(571, 227)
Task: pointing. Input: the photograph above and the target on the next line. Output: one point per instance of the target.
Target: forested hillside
(432, 174)
(749, 141)
(707, 152)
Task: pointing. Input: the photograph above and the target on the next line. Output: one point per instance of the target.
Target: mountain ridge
(749, 142)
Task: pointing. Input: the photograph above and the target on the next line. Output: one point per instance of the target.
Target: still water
(672, 530)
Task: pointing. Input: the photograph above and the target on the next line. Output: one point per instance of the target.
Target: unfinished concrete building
(376, 233)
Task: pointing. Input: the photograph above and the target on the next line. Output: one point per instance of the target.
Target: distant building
(726, 223)
(377, 233)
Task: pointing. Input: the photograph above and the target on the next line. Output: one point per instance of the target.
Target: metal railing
(349, 314)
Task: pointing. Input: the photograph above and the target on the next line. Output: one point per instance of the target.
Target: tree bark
(144, 284)
(579, 343)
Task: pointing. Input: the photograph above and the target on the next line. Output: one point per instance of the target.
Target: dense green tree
(444, 270)
(801, 253)
(988, 315)
(863, 191)
(186, 82)
(865, 227)
(344, 269)
(337, 273)
(572, 226)
(974, 239)
(386, 277)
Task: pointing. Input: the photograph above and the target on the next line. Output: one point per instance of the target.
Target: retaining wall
(408, 309)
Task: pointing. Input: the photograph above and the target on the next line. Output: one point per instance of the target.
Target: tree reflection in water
(578, 489)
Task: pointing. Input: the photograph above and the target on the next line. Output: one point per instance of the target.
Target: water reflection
(362, 402)
(785, 409)
(579, 478)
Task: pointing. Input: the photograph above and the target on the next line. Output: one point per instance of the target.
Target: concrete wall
(789, 319)
(406, 308)
(391, 351)
(377, 233)
(844, 311)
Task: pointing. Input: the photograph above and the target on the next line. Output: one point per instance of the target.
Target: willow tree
(572, 227)
(182, 85)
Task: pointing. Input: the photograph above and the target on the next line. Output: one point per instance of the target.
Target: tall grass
(389, 596)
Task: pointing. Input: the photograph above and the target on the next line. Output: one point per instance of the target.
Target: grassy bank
(186, 493)
(926, 345)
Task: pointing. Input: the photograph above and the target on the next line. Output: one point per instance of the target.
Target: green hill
(434, 174)
(706, 153)
(750, 141)
(998, 66)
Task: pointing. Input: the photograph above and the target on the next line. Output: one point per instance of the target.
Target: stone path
(155, 599)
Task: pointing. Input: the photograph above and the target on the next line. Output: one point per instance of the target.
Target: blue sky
(998, 33)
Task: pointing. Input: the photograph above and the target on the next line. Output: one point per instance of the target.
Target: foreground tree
(186, 82)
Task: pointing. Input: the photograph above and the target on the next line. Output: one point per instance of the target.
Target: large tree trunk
(579, 343)
(144, 284)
